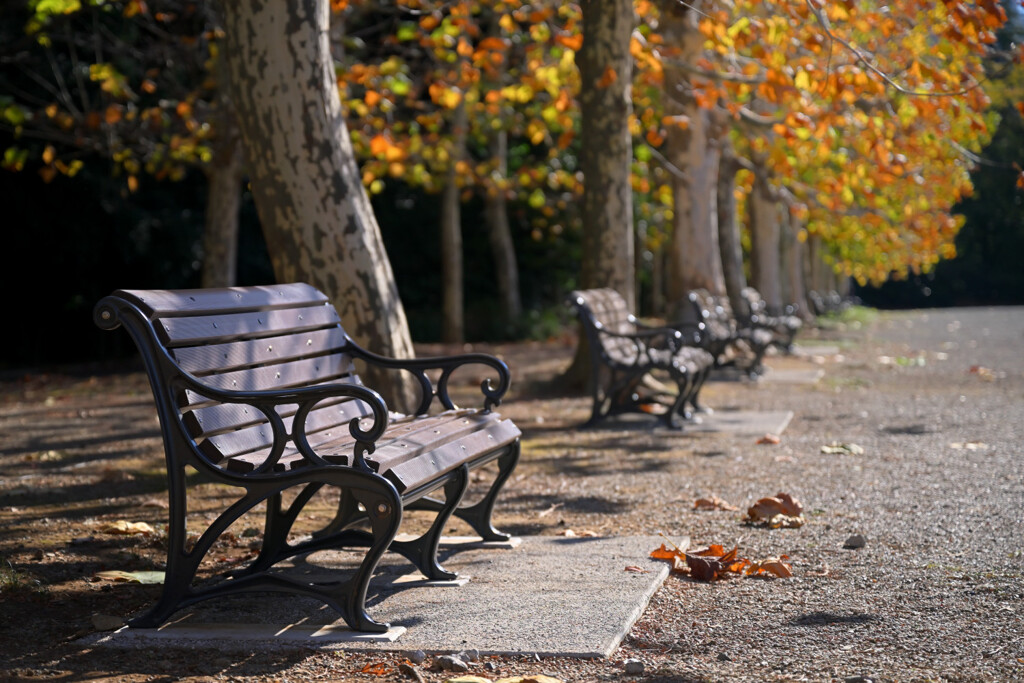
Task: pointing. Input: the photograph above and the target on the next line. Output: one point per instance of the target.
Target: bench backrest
(241, 339)
(715, 312)
(606, 309)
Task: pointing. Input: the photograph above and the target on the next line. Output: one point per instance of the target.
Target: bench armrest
(672, 339)
(447, 365)
(306, 398)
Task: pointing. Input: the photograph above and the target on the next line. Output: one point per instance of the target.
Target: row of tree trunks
(316, 217)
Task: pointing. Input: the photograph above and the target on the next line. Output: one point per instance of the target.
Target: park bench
(784, 326)
(256, 389)
(731, 340)
(625, 353)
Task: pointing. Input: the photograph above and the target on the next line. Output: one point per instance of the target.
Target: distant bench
(255, 388)
(625, 352)
(731, 340)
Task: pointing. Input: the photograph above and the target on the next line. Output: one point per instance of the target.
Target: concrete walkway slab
(553, 596)
(791, 375)
(743, 422)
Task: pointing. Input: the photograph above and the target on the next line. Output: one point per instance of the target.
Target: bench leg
(695, 401)
(378, 497)
(422, 552)
(478, 515)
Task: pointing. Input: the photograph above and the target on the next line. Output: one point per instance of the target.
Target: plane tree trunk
(316, 217)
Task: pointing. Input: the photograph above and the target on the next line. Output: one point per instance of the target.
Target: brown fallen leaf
(773, 565)
(781, 505)
(636, 570)
(713, 503)
(769, 439)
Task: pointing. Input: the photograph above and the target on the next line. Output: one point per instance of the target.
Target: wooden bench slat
(449, 440)
(200, 360)
(216, 419)
(186, 302)
(213, 329)
(290, 374)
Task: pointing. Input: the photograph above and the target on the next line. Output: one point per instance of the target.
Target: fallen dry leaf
(145, 577)
(773, 565)
(778, 512)
(124, 527)
(583, 533)
(713, 503)
(968, 445)
(636, 570)
(769, 439)
(786, 522)
(842, 448)
(376, 668)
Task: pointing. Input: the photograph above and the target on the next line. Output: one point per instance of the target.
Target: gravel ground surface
(933, 398)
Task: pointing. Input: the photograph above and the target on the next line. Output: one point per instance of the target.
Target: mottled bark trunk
(730, 243)
(606, 152)
(694, 257)
(316, 217)
(453, 330)
(503, 250)
(764, 236)
(606, 146)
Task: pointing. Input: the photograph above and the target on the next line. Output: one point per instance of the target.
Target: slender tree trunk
(764, 233)
(315, 214)
(220, 226)
(506, 269)
(730, 242)
(223, 194)
(793, 264)
(695, 260)
(453, 328)
(606, 149)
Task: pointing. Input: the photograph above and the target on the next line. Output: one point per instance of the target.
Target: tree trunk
(223, 194)
(764, 237)
(506, 269)
(453, 329)
(316, 216)
(220, 226)
(606, 150)
(730, 243)
(793, 264)
(606, 153)
(695, 260)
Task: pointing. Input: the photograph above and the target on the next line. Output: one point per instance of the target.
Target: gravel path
(933, 398)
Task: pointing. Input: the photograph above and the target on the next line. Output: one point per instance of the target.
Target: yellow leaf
(48, 154)
(802, 80)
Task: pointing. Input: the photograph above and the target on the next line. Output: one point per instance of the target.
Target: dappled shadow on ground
(830, 618)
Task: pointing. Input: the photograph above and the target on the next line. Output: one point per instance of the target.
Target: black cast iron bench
(625, 352)
(733, 341)
(784, 326)
(255, 389)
